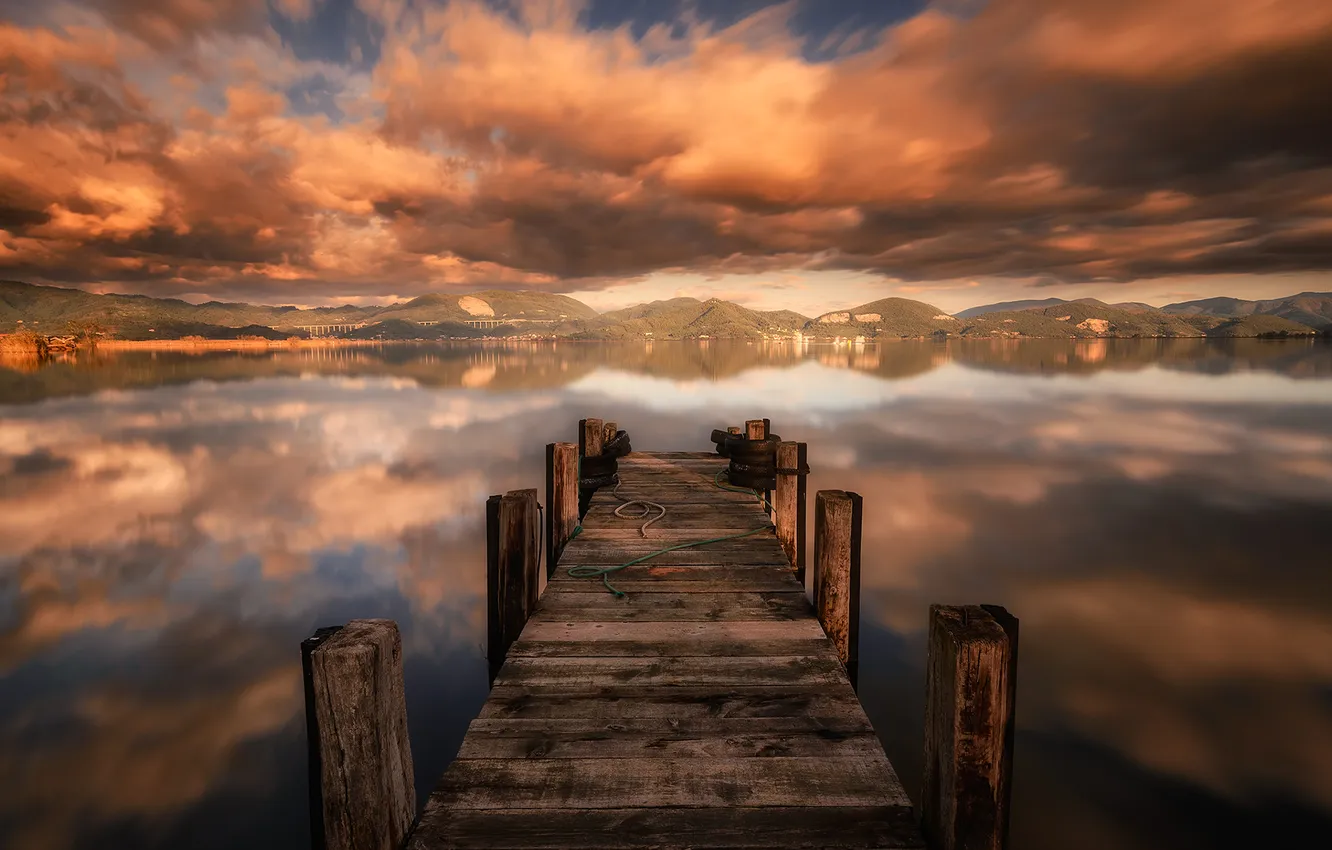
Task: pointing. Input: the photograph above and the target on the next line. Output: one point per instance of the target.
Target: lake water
(1157, 513)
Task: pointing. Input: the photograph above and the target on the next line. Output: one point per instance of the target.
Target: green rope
(590, 571)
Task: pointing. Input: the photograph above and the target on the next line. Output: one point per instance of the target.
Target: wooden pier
(697, 699)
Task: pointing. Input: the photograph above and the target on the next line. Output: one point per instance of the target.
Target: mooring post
(608, 432)
(757, 429)
(837, 518)
(591, 437)
(561, 500)
(789, 504)
(513, 533)
(362, 791)
(971, 684)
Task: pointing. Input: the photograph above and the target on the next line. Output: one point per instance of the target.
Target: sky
(806, 155)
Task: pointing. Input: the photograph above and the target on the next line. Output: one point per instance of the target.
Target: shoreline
(228, 344)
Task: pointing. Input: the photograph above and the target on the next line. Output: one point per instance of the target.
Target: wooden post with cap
(591, 437)
(837, 521)
(789, 504)
(561, 500)
(513, 533)
(971, 687)
(362, 786)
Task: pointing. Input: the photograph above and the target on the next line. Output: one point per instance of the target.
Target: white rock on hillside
(475, 306)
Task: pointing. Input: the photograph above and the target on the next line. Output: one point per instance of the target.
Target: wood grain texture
(732, 827)
(837, 519)
(366, 780)
(512, 569)
(789, 505)
(561, 499)
(591, 436)
(613, 783)
(565, 674)
(675, 703)
(968, 740)
(707, 708)
(730, 576)
(599, 606)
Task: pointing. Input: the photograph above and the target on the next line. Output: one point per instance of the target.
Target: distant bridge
(327, 330)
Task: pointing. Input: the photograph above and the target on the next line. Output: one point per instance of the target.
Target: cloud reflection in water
(1156, 513)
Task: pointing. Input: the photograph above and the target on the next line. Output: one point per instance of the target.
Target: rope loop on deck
(591, 571)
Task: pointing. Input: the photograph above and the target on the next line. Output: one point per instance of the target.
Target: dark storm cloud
(400, 146)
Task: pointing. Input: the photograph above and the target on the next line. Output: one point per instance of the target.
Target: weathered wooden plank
(625, 783)
(663, 607)
(733, 828)
(649, 585)
(668, 647)
(546, 628)
(730, 575)
(837, 519)
(566, 674)
(360, 712)
(678, 703)
(670, 535)
(678, 514)
(721, 739)
(756, 549)
(550, 637)
(967, 737)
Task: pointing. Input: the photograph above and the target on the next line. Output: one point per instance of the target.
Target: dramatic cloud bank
(295, 149)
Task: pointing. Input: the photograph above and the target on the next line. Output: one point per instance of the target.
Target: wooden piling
(755, 429)
(837, 522)
(561, 499)
(513, 533)
(608, 432)
(970, 688)
(591, 437)
(789, 504)
(362, 792)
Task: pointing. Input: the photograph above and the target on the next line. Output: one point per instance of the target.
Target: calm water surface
(1158, 514)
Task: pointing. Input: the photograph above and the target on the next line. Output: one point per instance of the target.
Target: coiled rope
(590, 571)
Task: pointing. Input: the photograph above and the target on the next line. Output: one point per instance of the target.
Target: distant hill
(689, 318)
(1249, 326)
(51, 309)
(55, 311)
(1135, 307)
(1085, 318)
(887, 317)
(1313, 309)
(1008, 306)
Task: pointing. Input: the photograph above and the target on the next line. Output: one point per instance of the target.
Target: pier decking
(696, 699)
(706, 708)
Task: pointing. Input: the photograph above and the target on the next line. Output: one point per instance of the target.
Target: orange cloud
(168, 146)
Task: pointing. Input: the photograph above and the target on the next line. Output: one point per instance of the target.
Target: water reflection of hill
(530, 365)
(1299, 359)
(498, 368)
